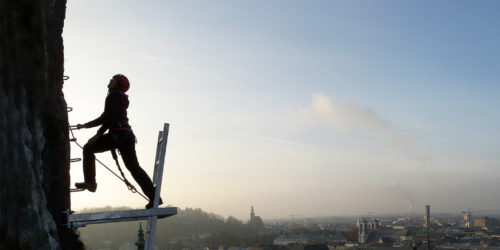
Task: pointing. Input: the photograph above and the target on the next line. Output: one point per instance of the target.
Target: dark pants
(125, 142)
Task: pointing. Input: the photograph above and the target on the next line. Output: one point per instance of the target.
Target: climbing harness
(113, 153)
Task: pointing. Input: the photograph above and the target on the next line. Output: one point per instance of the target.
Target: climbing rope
(130, 187)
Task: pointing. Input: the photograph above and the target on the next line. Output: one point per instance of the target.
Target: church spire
(252, 214)
(140, 242)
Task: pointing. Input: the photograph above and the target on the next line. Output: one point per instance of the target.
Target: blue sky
(318, 108)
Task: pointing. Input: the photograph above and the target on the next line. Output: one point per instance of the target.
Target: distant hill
(189, 228)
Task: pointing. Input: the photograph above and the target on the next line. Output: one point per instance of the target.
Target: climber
(120, 136)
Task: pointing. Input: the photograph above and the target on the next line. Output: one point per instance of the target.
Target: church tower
(255, 221)
(140, 242)
(252, 215)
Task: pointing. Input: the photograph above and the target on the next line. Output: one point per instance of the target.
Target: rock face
(34, 147)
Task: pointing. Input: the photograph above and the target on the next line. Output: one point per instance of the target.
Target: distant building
(255, 221)
(427, 216)
(405, 235)
(486, 222)
(140, 242)
(365, 227)
(302, 239)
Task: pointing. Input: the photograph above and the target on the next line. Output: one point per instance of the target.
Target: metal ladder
(157, 179)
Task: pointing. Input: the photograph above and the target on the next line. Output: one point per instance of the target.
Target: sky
(299, 108)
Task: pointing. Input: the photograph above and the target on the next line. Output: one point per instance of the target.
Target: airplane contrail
(259, 137)
(157, 59)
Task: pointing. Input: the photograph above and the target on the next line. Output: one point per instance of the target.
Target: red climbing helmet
(124, 83)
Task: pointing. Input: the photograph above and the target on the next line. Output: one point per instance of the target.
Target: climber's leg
(103, 143)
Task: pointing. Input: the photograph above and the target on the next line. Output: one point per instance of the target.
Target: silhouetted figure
(120, 136)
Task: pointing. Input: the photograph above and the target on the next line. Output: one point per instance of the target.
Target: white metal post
(157, 180)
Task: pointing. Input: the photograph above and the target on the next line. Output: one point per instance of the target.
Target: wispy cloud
(166, 62)
(350, 116)
(156, 59)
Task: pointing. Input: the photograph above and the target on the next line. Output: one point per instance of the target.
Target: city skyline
(319, 109)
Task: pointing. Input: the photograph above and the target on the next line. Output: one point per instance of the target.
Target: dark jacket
(114, 116)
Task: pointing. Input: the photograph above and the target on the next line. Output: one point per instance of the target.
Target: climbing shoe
(85, 185)
(150, 204)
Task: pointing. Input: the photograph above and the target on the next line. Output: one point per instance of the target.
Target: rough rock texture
(34, 147)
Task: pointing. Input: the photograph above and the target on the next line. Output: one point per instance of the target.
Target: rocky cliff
(34, 147)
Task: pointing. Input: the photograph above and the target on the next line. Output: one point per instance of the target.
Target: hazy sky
(305, 108)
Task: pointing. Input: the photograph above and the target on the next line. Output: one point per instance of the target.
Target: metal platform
(79, 220)
(152, 214)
